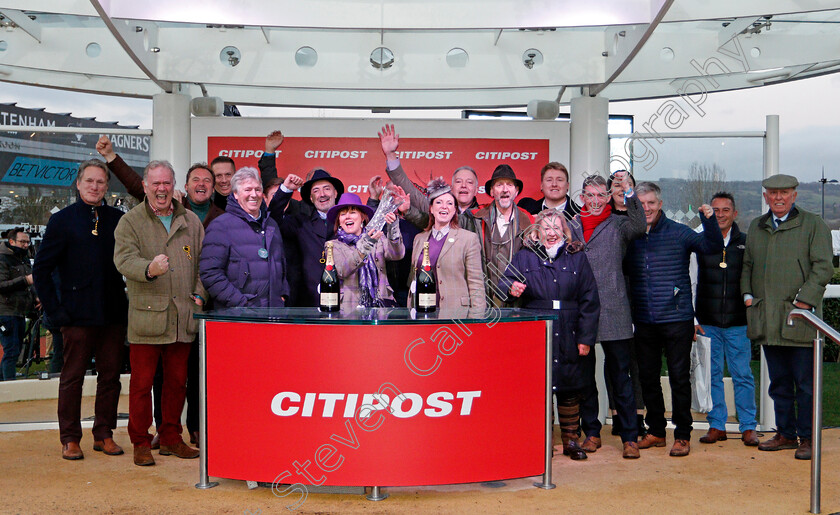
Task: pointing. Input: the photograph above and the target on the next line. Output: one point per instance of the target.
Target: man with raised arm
(464, 186)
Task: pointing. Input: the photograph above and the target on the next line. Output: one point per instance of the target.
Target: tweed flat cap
(780, 182)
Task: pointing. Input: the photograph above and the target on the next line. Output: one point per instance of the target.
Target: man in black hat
(305, 230)
(787, 263)
(502, 226)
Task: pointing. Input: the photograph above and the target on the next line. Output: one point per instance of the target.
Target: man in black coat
(554, 185)
(722, 316)
(16, 298)
(92, 310)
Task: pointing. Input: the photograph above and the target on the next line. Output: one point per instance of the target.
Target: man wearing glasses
(17, 298)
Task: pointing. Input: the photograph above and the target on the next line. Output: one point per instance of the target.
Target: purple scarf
(368, 274)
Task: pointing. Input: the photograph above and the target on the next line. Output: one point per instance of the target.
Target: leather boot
(572, 449)
(714, 435)
(778, 443)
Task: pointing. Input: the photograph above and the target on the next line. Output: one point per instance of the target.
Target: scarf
(368, 274)
(590, 221)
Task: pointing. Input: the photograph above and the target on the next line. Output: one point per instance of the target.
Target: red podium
(375, 397)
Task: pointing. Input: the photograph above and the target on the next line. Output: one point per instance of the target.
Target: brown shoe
(778, 443)
(651, 441)
(749, 438)
(680, 448)
(803, 452)
(714, 435)
(143, 456)
(181, 450)
(108, 446)
(591, 444)
(156, 441)
(72, 451)
(631, 451)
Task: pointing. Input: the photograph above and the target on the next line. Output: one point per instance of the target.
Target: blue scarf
(368, 274)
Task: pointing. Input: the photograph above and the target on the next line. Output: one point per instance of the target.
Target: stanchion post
(546, 483)
(203, 479)
(376, 494)
(816, 426)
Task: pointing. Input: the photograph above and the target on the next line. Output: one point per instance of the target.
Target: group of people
(615, 269)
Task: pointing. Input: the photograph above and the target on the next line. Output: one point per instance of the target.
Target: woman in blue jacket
(550, 272)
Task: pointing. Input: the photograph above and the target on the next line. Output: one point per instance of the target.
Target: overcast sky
(809, 123)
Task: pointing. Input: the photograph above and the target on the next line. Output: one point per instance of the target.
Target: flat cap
(780, 182)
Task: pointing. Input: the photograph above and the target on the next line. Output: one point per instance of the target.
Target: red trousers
(144, 360)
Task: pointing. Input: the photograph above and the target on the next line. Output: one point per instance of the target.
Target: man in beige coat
(157, 250)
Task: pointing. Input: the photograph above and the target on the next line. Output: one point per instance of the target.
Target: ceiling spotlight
(154, 49)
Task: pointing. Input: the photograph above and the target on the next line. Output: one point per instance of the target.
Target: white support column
(590, 154)
(590, 145)
(171, 132)
(766, 414)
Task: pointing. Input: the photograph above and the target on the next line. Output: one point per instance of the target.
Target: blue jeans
(731, 344)
(11, 336)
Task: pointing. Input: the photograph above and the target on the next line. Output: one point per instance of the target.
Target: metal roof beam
(23, 21)
(132, 42)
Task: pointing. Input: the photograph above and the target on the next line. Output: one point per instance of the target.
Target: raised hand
(707, 210)
(376, 187)
(105, 148)
(292, 182)
(399, 193)
(272, 141)
(390, 141)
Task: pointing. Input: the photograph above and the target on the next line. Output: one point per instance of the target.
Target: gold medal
(723, 264)
(723, 260)
(95, 232)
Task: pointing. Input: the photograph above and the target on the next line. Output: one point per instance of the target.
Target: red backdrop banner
(356, 160)
(390, 405)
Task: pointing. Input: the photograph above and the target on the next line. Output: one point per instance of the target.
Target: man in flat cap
(787, 263)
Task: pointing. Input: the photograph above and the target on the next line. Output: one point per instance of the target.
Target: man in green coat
(787, 264)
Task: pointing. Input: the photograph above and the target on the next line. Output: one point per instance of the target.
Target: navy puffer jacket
(568, 279)
(231, 268)
(660, 287)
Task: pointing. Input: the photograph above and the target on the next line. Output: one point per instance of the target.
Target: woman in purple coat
(242, 261)
(550, 272)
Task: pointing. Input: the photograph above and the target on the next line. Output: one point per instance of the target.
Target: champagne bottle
(426, 284)
(329, 284)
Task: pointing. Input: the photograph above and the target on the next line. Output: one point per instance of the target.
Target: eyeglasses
(593, 195)
(23, 243)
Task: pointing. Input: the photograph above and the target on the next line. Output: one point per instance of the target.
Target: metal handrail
(816, 429)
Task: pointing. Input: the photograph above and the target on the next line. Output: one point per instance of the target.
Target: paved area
(720, 478)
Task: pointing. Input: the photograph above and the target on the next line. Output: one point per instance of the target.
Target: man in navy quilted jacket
(663, 314)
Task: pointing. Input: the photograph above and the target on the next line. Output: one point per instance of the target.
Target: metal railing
(816, 432)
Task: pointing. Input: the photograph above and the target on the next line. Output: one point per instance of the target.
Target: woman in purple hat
(360, 256)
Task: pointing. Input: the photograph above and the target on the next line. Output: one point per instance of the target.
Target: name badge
(555, 304)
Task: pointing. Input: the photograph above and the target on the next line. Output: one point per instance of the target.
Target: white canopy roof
(392, 54)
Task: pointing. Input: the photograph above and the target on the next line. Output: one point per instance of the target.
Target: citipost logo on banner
(356, 160)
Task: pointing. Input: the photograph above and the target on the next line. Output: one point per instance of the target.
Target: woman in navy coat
(550, 272)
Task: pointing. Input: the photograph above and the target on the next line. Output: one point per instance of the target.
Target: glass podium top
(375, 316)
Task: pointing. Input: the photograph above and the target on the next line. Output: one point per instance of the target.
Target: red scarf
(590, 222)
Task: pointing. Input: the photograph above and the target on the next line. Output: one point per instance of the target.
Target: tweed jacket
(160, 311)
(348, 260)
(459, 275)
(791, 262)
(605, 250)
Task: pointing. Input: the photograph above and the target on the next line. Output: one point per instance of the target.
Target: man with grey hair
(245, 236)
(663, 313)
(158, 246)
(90, 308)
